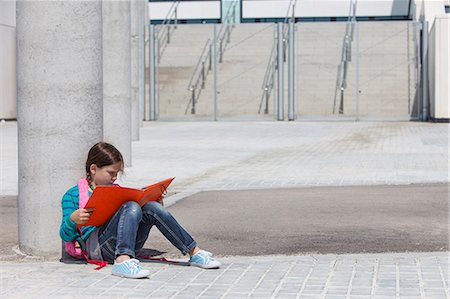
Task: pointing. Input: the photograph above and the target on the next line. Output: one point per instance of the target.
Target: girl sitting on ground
(126, 232)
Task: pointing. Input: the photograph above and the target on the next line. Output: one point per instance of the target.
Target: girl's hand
(81, 216)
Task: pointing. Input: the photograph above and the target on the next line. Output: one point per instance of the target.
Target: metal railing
(346, 57)
(200, 73)
(165, 29)
(198, 78)
(162, 36)
(268, 82)
(225, 30)
(272, 65)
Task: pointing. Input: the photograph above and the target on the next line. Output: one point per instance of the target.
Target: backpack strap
(83, 190)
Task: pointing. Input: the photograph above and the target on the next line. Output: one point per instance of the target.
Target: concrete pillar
(116, 76)
(146, 61)
(142, 23)
(59, 84)
(135, 123)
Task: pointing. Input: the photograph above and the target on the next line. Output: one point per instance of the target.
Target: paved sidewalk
(408, 275)
(253, 155)
(224, 156)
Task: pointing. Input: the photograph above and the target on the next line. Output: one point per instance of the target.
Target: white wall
(433, 11)
(186, 10)
(278, 8)
(439, 68)
(323, 8)
(8, 108)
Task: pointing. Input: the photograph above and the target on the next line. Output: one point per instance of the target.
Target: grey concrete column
(135, 123)
(116, 76)
(59, 84)
(146, 60)
(142, 23)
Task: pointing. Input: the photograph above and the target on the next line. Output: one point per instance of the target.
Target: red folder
(107, 200)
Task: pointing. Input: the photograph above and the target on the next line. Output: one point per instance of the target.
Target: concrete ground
(292, 209)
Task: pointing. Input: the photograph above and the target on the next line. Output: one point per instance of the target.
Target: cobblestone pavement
(254, 155)
(407, 275)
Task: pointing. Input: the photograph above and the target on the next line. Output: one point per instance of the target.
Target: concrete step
(385, 67)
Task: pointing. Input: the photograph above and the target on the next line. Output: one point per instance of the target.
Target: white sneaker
(129, 269)
(204, 260)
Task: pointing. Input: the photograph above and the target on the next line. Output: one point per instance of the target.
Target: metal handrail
(200, 74)
(346, 57)
(164, 29)
(208, 42)
(225, 29)
(267, 85)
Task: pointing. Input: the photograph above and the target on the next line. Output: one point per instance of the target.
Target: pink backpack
(74, 248)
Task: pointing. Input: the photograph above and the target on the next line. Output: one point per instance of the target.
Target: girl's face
(105, 175)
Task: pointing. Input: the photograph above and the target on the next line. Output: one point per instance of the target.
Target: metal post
(221, 51)
(203, 75)
(210, 57)
(215, 70)
(424, 70)
(357, 70)
(158, 87)
(280, 110)
(234, 15)
(418, 69)
(193, 100)
(341, 105)
(274, 66)
(266, 108)
(176, 17)
(291, 73)
(151, 73)
(168, 33)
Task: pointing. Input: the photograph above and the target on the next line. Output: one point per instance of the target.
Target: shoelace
(134, 265)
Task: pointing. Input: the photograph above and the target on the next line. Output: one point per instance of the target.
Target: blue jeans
(129, 228)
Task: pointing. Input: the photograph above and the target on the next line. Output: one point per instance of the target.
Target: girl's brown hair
(102, 154)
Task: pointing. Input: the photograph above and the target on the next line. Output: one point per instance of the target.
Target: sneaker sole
(204, 266)
(131, 276)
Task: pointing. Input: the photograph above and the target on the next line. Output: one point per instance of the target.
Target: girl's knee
(153, 207)
(132, 209)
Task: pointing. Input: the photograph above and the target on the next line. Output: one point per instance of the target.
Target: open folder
(107, 200)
